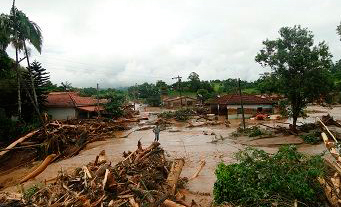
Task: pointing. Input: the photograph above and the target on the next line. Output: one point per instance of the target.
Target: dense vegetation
(261, 179)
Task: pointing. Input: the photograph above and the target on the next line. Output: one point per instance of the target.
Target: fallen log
(40, 168)
(201, 166)
(21, 139)
(174, 174)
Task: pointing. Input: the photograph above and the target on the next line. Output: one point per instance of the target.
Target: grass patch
(261, 179)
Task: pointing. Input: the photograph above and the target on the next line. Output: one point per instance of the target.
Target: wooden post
(241, 102)
(98, 112)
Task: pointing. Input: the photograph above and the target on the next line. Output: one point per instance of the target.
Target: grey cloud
(122, 42)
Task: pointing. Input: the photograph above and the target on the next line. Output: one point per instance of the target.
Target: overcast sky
(123, 42)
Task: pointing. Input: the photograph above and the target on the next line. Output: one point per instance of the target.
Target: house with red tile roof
(230, 105)
(69, 105)
(175, 102)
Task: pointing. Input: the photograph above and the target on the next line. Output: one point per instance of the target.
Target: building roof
(91, 108)
(59, 99)
(71, 100)
(177, 98)
(247, 100)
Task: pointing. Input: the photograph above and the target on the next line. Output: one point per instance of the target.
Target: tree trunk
(294, 121)
(18, 82)
(31, 77)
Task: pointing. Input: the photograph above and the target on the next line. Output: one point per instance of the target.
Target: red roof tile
(247, 99)
(59, 99)
(70, 99)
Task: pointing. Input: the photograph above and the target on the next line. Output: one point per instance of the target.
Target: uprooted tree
(300, 67)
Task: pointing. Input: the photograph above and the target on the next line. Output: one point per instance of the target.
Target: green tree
(203, 95)
(116, 100)
(17, 28)
(91, 91)
(267, 83)
(301, 68)
(163, 87)
(194, 81)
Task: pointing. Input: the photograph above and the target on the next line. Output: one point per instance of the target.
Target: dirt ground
(178, 141)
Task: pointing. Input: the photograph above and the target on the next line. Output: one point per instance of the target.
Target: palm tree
(4, 32)
(27, 30)
(16, 29)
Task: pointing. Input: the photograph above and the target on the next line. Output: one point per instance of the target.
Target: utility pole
(241, 102)
(98, 102)
(135, 93)
(179, 87)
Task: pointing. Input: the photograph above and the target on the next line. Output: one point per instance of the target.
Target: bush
(311, 138)
(260, 179)
(28, 193)
(179, 115)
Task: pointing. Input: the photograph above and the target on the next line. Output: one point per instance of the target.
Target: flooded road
(178, 141)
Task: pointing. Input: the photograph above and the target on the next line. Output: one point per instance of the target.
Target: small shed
(178, 101)
(69, 105)
(230, 106)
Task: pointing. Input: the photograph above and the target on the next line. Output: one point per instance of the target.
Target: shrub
(311, 138)
(179, 115)
(260, 179)
(28, 193)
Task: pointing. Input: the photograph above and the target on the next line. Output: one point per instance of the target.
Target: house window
(239, 110)
(259, 109)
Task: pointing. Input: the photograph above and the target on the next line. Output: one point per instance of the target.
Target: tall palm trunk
(31, 77)
(18, 82)
(17, 62)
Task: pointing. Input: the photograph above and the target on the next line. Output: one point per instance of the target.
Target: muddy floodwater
(193, 144)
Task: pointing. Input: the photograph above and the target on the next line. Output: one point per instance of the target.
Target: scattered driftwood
(143, 178)
(169, 203)
(331, 185)
(326, 128)
(18, 141)
(39, 169)
(329, 120)
(201, 166)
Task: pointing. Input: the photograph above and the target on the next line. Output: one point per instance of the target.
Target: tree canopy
(299, 68)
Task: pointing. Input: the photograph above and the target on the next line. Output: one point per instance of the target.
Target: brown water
(190, 144)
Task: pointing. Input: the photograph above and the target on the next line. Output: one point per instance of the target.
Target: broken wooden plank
(201, 166)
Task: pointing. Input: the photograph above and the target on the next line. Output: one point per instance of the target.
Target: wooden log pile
(143, 178)
(64, 138)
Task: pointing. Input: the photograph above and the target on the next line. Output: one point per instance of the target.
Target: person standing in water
(156, 131)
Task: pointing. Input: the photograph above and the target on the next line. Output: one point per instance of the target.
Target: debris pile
(142, 177)
(65, 139)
